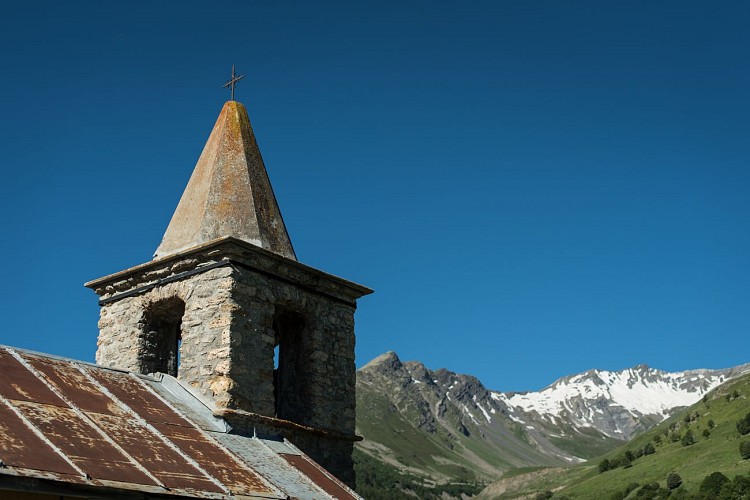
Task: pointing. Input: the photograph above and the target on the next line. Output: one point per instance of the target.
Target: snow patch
(486, 415)
(471, 416)
(516, 419)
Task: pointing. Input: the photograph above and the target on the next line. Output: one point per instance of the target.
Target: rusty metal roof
(72, 424)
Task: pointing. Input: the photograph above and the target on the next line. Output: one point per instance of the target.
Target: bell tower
(226, 308)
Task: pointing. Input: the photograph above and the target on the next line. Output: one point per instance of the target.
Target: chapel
(223, 358)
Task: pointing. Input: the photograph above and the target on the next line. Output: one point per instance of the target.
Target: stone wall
(206, 336)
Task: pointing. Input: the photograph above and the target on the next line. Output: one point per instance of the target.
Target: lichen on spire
(229, 193)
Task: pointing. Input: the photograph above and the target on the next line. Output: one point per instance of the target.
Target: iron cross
(231, 83)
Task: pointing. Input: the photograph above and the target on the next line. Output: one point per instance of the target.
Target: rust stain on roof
(129, 391)
(77, 388)
(18, 383)
(216, 461)
(79, 441)
(170, 467)
(318, 475)
(20, 447)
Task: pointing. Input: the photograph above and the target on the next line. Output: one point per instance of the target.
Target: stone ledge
(247, 420)
(231, 250)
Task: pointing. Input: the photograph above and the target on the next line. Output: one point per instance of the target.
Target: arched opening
(289, 364)
(162, 337)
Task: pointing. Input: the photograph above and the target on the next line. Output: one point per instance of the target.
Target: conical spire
(229, 193)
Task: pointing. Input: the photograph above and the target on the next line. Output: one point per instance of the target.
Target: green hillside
(692, 444)
(410, 464)
(398, 442)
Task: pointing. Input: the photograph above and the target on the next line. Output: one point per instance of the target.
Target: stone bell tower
(225, 307)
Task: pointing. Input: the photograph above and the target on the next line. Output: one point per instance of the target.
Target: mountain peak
(385, 360)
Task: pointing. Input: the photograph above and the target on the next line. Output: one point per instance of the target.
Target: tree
(657, 439)
(743, 425)
(706, 433)
(711, 485)
(649, 449)
(688, 438)
(620, 461)
(651, 491)
(681, 494)
(631, 487)
(745, 450)
(711, 423)
(604, 466)
(673, 481)
(741, 487)
(646, 489)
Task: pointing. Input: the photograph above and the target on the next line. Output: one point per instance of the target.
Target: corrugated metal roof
(80, 424)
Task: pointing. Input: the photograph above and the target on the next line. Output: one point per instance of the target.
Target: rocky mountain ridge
(443, 424)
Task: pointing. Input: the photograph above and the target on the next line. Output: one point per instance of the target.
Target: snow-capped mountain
(618, 404)
(437, 422)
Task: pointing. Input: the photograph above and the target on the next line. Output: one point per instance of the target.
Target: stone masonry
(228, 339)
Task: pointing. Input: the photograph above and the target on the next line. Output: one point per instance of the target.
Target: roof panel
(17, 382)
(166, 464)
(222, 466)
(78, 389)
(82, 443)
(318, 476)
(21, 447)
(131, 392)
(258, 454)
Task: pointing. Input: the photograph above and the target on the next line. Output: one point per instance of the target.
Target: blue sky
(533, 189)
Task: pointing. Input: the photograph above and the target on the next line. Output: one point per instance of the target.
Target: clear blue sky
(533, 189)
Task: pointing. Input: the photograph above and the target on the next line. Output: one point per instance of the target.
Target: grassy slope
(585, 443)
(378, 481)
(718, 452)
(423, 452)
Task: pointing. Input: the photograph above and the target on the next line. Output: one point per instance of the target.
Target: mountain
(694, 443)
(448, 427)
(617, 404)
(440, 424)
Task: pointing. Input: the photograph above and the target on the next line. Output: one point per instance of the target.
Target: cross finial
(231, 83)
